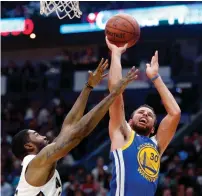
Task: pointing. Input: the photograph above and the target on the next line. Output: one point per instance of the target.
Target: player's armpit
(166, 130)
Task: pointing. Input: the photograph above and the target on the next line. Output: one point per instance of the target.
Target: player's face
(143, 121)
(37, 140)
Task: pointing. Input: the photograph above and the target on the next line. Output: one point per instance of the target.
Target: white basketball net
(62, 8)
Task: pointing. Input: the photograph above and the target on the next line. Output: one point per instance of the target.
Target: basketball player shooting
(136, 156)
(39, 176)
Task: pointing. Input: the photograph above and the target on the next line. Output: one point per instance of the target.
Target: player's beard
(41, 145)
(141, 130)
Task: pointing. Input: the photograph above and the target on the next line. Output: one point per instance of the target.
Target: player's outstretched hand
(153, 68)
(114, 48)
(131, 76)
(96, 76)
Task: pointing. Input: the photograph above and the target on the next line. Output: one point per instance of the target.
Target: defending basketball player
(39, 176)
(136, 156)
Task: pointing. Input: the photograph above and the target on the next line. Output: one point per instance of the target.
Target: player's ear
(130, 122)
(29, 146)
(152, 131)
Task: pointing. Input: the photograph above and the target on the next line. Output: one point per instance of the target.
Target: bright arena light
(33, 36)
(91, 16)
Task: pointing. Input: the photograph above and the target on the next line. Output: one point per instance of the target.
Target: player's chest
(143, 159)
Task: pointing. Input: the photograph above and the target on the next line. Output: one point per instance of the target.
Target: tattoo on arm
(63, 145)
(68, 140)
(55, 150)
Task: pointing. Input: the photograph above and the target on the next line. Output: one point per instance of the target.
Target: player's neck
(33, 153)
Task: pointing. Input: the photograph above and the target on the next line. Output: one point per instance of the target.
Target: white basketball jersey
(52, 188)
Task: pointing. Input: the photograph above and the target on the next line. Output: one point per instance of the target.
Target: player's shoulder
(153, 139)
(27, 160)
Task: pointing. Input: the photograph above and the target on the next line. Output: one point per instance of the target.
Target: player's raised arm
(116, 111)
(169, 124)
(74, 134)
(78, 108)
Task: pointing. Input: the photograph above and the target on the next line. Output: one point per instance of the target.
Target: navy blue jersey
(135, 167)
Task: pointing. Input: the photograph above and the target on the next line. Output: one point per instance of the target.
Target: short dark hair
(146, 106)
(18, 142)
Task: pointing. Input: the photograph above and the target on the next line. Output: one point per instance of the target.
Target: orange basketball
(121, 29)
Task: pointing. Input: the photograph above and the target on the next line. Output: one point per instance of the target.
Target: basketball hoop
(62, 8)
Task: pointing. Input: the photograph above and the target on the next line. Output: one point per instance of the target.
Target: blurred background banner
(141, 83)
(16, 26)
(170, 20)
(156, 16)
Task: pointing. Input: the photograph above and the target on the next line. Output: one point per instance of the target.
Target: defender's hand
(114, 48)
(153, 68)
(131, 76)
(96, 76)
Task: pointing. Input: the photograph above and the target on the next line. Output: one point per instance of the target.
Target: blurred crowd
(30, 76)
(180, 173)
(181, 166)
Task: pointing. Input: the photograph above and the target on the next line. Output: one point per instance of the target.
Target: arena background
(44, 64)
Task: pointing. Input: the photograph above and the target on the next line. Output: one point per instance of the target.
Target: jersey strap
(130, 141)
(27, 159)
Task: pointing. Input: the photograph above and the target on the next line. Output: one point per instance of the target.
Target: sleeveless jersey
(52, 188)
(135, 167)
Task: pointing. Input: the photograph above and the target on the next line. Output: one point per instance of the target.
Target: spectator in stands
(199, 177)
(198, 143)
(68, 160)
(89, 56)
(64, 55)
(13, 72)
(59, 115)
(81, 175)
(28, 69)
(78, 193)
(98, 168)
(90, 187)
(167, 192)
(175, 163)
(11, 68)
(189, 191)
(181, 190)
(42, 117)
(73, 188)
